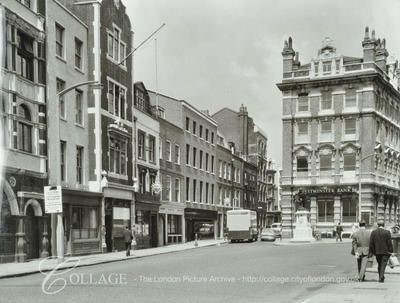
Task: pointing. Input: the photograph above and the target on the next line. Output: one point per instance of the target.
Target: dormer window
(327, 67)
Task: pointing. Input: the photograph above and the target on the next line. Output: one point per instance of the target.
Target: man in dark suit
(381, 246)
(361, 248)
(128, 237)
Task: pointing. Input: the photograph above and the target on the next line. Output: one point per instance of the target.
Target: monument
(303, 231)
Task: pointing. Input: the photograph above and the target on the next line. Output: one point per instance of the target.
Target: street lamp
(360, 185)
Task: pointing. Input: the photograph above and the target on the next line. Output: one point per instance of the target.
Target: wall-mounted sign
(322, 190)
(53, 199)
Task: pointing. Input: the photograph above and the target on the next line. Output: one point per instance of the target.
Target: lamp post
(360, 185)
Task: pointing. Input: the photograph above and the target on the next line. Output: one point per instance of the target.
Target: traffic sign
(52, 199)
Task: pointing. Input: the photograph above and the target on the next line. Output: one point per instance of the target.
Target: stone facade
(340, 129)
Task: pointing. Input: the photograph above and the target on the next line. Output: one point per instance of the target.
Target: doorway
(32, 233)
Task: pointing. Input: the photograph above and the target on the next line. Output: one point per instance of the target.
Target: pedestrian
(128, 237)
(339, 230)
(381, 246)
(360, 249)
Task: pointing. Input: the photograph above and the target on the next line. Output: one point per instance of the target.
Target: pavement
(8, 270)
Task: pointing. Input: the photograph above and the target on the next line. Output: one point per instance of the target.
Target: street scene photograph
(199, 151)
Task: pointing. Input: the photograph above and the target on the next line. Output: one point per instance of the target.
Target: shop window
(174, 224)
(84, 222)
(349, 211)
(325, 211)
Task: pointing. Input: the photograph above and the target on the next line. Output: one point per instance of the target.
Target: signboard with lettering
(53, 199)
(322, 190)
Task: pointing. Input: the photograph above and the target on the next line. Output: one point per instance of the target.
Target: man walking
(360, 244)
(381, 246)
(128, 237)
(339, 230)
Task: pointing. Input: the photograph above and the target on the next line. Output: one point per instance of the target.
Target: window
(140, 102)
(212, 193)
(325, 211)
(141, 145)
(351, 99)
(160, 148)
(166, 188)
(84, 222)
(118, 153)
(302, 164)
(194, 190)
(152, 181)
(212, 137)
(78, 53)
(194, 128)
(207, 134)
(177, 154)
(201, 160)
(177, 187)
(174, 225)
(326, 101)
(79, 164)
(187, 154)
(41, 61)
(316, 67)
(142, 181)
(27, 3)
(152, 148)
(59, 41)
(349, 211)
(201, 192)
(201, 131)
(24, 129)
(302, 103)
(212, 164)
(349, 162)
(116, 48)
(116, 99)
(325, 162)
(24, 61)
(194, 157)
(168, 150)
(207, 158)
(63, 173)
(326, 127)
(207, 191)
(187, 124)
(220, 168)
(187, 189)
(349, 126)
(60, 87)
(326, 67)
(78, 107)
(302, 128)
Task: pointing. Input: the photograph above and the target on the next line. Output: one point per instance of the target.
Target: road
(243, 272)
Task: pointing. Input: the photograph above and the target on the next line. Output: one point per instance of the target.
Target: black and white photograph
(199, 151)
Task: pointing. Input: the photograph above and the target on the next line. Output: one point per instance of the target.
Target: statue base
(303, 231)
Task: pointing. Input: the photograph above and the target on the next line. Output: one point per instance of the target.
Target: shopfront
(146, 224)
(172, 223)
(202, 222)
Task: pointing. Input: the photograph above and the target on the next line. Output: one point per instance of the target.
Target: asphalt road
(245, 272)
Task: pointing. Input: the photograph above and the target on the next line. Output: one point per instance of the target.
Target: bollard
(195, 240)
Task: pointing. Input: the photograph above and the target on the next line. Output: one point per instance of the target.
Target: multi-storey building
(147, 169)
(68, 131)
(198, 164)
(172, 229)
(23, 225)
(251, 143)
(110, 117)
(341, 131)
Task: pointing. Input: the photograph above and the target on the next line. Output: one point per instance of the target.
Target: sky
(224, 53)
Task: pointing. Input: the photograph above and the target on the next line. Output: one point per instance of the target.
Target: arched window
(24, 129)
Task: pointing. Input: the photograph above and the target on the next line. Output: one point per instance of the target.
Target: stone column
(45, 240)
(20, 255)
(381, 207)
(337, 213)
(313, 210)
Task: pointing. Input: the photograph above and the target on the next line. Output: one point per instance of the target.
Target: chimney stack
(288, 57)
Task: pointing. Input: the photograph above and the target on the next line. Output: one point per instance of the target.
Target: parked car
(267, 234)
(277, 228)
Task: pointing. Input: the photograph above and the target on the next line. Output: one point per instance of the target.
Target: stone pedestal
(303, 230)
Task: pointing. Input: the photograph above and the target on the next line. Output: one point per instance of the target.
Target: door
(32, 234)
(154, 231)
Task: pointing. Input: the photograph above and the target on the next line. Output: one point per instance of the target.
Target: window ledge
(61, 59)
(118, 176)
(79, 70)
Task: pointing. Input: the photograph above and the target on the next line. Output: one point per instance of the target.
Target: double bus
(242, 225)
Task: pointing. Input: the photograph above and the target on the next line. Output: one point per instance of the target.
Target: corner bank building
(341, 119)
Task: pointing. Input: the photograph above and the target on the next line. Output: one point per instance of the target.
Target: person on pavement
(381, 246)
(360, 245)
(339, 230)
(128, 237)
